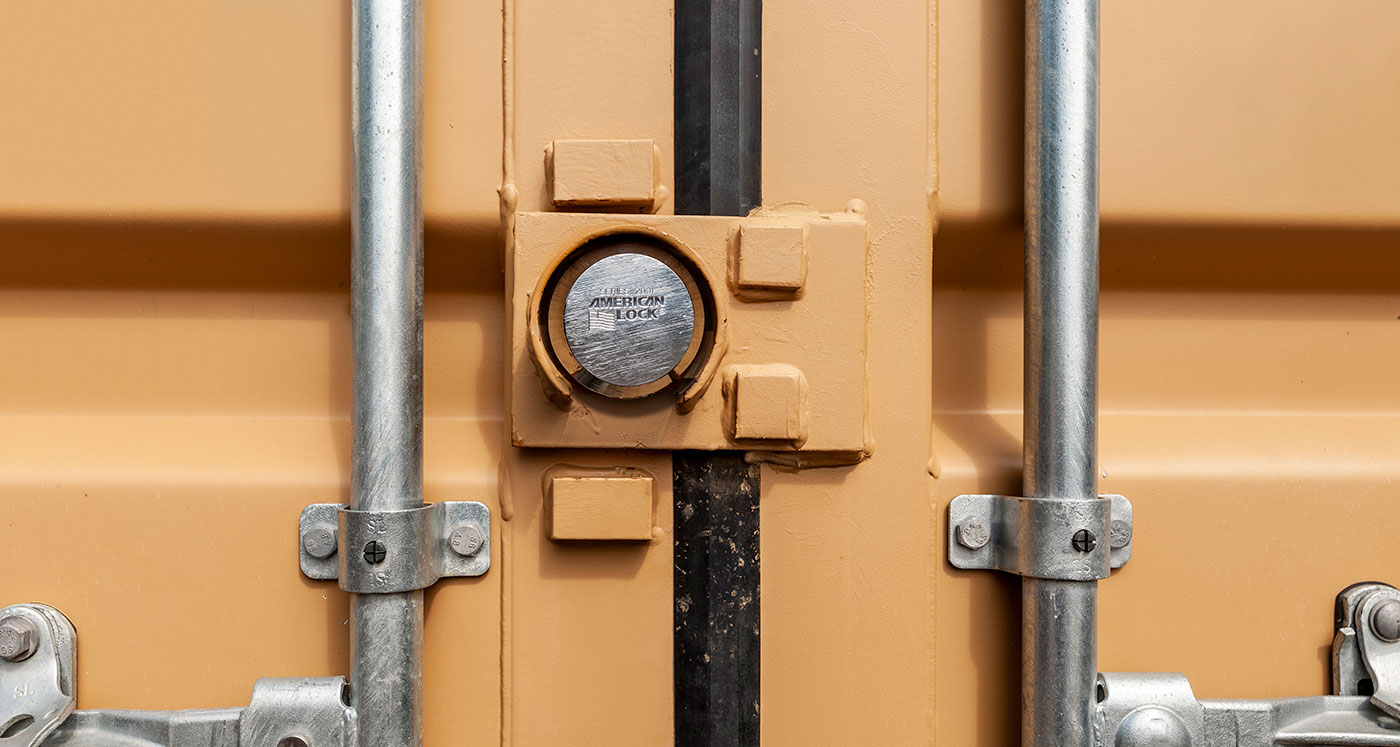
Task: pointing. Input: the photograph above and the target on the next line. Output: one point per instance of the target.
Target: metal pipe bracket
(1066, 540)
(384, 552)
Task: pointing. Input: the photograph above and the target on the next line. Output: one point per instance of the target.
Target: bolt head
(974, 533)
(1120, 534)
(466, 540)
(19, 638)
(1385, 621)
(1152, 726)
(1084, 541)
(319, 541)
(375, 552)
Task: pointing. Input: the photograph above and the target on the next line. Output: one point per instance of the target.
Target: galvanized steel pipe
(386, 636)
(1060, 618)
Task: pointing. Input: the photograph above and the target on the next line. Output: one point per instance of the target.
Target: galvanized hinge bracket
(382, 552)
(38, 656)
(1160, 709)
(1366, 647)
(1068, 540)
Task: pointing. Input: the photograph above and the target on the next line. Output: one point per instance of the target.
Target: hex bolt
(466, 540)
(375, 552)
(1385, 621)
(974, 533)
(1084, 540)
(319, 541)
(19, 638)
(1120, 534)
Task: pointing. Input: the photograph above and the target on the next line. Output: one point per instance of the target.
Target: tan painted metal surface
(174, 342)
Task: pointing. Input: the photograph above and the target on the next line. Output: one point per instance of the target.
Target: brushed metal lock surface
(625, 316)
(628, 319)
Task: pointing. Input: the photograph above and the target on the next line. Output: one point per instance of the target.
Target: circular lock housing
(628, 316)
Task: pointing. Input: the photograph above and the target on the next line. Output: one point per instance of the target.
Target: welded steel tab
(1068, 540)
(383, 552)
(296, 711)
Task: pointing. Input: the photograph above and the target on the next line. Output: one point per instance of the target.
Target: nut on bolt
(466, 540)
(974, 533)
(1385, 621)
(319, 541)
(19, 638)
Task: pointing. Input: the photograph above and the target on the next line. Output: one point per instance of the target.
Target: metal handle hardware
(37, 667)
(383, 552)
(1160, 710)
(1068, 540)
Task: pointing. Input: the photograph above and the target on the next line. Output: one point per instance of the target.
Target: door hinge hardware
(380, 552)
(283, 712)
(38, 654)
(1366, 648)
(1069, 540)
(1160, 709)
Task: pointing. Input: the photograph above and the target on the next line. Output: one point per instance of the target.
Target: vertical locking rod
(1060, 618)
(718, 113)
(386, 307)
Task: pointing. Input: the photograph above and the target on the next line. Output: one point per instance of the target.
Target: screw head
(1385, 621)
(375, 552)
(466, 540)
(292, 742)
(1084, 541)
(1120, 534)
(19, 638)
(974, 533)
(319, 541)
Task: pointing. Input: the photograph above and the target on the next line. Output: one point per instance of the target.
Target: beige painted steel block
(768, 402)
(770, 260)
(601, 507)
(548, 409)
(603, 173)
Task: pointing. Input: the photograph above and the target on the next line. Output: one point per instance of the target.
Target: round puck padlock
(627, 316)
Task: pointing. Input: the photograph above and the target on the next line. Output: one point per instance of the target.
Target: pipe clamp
(1066, 540)
(384, 552)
